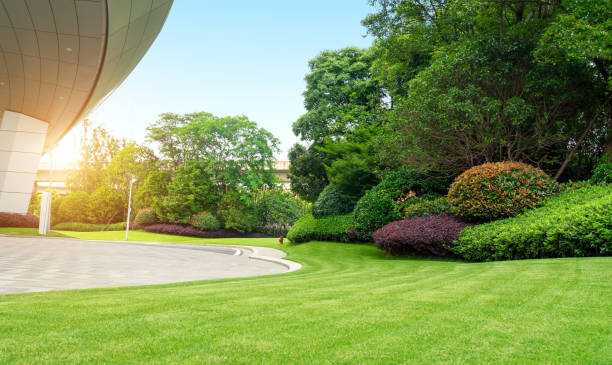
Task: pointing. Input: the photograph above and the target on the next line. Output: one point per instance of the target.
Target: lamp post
(127, 227)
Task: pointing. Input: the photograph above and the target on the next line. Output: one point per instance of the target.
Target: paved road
(30, 264)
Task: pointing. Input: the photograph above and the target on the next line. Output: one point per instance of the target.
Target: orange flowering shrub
(499, 190)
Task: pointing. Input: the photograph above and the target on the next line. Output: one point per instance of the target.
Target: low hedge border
(337, 228)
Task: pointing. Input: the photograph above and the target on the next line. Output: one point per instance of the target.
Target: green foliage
(308, 228)
(146, 217)
(602, 172)
(338, 87)
(107, 206)
(499, 190)
(426, 207)
(307, 174)
(74, 207)
(236, 211)
(576, 223)
(98, 149)
(89, 227)
(132, 161)
(151, 191)
(205, 221)
(378, 206)
(276, 211)
(331, 202)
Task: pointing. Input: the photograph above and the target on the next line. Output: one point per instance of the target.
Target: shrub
(107, 206)
(276, 211)
(18, 220)
(424, 207)
(379, 205)
(240, 218)
(331, 202)
(74, 207)
(602, 174)
(499, 190)
(120, 226)
(204, 221)
(308, 228)
(419, 235)
(576, 223)
(146, 217)
(177, 229)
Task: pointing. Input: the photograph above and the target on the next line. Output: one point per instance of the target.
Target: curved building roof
(60, 58)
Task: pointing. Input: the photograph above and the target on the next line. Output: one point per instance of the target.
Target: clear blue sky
(233, 58)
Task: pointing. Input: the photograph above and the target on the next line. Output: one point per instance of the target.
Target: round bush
(331, 202)
(276, 211)
(146, 217)
(419, 235)
(382, 204)
(205, 221)
(499, 190)
(74, 207)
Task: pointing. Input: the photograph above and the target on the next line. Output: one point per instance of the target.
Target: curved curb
(290, 265)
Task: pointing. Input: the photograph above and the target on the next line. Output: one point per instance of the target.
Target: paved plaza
(30, 264)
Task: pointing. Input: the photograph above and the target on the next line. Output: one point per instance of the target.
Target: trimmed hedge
(380, 205)
(89, 227)
(419, 236)
(18, 220)
(308, 228)
(331, 202)
(575, 224)
(205, 221)
(499, 190)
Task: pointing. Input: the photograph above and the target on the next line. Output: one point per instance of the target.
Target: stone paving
(31, 264)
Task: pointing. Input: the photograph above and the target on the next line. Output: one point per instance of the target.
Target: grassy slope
(349, 304)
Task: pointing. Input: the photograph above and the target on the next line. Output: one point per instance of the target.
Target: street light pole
(129, 212)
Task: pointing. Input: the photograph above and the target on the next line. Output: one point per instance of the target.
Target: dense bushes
(331, 202)
(419, 235)
(424, 207)
(74, 207)
(378, 206)
(18, 220)
(204, 221)
(146, 217)
(602, 174)
(185, 230)
(576, 223)
(499, 190)
(276, 211)
(308, 228)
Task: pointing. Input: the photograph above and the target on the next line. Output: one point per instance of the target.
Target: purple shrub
(419, 235)
(18, 220)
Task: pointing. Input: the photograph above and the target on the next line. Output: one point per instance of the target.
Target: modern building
(58, 60)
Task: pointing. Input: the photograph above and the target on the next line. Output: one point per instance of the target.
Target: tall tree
(340, 95)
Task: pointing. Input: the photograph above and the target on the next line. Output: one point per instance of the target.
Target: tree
(341, 95)
(132, 161)
(217, 155)
(107, 206)
(74, 207)
(163, 133)
(96, 153)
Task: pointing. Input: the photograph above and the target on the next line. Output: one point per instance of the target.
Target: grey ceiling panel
(18, 14)
(58, 60)
(48, 45)
(42, 15)
(28, 43)
(64, 12)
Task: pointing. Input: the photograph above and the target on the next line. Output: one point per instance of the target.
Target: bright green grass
(349, 304)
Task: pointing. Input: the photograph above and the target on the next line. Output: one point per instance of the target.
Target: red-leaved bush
(419, 235)
(181, 230)
(18, 220)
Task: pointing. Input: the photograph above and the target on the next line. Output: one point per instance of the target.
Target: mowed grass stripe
(349, 304)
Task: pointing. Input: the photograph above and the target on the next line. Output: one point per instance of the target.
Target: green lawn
(349, 304)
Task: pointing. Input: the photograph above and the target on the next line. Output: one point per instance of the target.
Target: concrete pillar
(21, 142)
